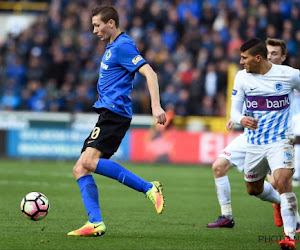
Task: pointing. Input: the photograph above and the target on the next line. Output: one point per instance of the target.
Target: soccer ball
(35, 206)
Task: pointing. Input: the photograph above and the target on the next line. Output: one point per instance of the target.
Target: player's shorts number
(95, 133)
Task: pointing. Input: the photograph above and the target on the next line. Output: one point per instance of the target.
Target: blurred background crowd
(54, 64)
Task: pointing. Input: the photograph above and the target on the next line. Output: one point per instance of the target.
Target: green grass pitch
(131, 220)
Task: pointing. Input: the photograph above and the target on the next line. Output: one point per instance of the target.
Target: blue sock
(115, 171)
(89, 195)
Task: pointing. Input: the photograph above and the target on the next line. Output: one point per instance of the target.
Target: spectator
(35, 70)
(37, 99)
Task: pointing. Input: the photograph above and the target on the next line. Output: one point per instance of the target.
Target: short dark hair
(255, 46)
(277, 42)
(107, 12)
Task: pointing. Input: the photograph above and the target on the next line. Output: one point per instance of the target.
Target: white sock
(297, 161)
(224, 195)
(289, 207)
(269, 194)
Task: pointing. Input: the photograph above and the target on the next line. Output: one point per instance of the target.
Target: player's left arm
(152, 82)
(296, 79)
(130, 58)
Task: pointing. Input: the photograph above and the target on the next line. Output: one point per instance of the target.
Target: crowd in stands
(53, 65)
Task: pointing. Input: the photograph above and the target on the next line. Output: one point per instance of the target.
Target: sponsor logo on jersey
(267, 103)
(234, 91)
(278, 86)
(226, 153)
(251, 176)
(104, 66)
(137, 59)
(108, 55)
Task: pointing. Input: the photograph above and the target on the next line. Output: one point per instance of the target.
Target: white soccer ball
(35, 206)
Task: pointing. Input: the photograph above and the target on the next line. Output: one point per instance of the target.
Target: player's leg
(106, 137)
(152, 190)
(255, 171)
(89, 194)
(233, 154)
(296, 176)
(220, 168)
(280, 158)
(115, 171)
(296, 130)
(277, 213)
(270, 179)
(289, 204)
(263, 190)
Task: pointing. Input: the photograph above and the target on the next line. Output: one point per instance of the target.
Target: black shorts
(107, 133)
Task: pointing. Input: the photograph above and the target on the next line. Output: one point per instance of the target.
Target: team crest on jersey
(234, 91)
(288, 155)
(108, 55)
(278, 86)
(137, 59)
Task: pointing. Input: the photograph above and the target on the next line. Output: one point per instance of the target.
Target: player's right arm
(237, 102)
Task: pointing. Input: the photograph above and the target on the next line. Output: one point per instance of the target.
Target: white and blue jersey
(268, 97)
(120, 61)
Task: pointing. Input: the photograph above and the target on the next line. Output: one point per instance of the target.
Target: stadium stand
(53, 64)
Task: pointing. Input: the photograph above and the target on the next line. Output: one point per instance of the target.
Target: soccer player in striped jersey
(266, 89)
(120, 61)
(234, 155)
(277, 54)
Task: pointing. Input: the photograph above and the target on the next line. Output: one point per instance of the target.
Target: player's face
(101, 29)
(275, 55)
(249, 62)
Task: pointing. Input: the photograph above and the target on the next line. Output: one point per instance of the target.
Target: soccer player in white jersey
(296, 130)
(234, 155)
(276, 54)
(266, 89)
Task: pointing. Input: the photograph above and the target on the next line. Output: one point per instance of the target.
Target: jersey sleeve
(237, 97)
(236, 113)
(296, 79)
(129, 57)
(238, 92)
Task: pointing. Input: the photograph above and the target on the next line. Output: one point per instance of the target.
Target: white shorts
(278, 155)
(296, 124)
(235, 152)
